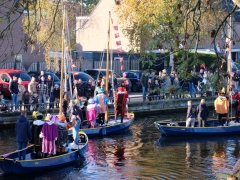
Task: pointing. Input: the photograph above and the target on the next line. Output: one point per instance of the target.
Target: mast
(229, 64)
(107, 62)
(62, 61)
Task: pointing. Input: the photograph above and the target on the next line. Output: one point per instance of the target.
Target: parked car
(37, 74)
(99, 73)
(82, 75)
(135, 77)
(6, 76)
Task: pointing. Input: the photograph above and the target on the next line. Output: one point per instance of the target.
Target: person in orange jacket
(221, 105)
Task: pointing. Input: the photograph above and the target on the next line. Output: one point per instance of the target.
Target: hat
(121, 89)
(47, 118)
(91, 101)
(56, 85)
(61, 117)
(100, 90)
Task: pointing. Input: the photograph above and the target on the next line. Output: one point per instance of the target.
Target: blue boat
(112, 126)
(10, 163)
(211, 129)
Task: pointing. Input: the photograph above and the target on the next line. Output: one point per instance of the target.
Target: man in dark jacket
(23, 134)
(13, 88)
(202, 113)
(144, 81)
(191, 115)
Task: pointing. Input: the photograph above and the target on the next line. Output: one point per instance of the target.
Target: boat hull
(11, 164)
(110, 129)
(198, 131)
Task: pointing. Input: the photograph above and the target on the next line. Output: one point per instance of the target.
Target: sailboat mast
(229, 64)
(107, 61)
(62, 61)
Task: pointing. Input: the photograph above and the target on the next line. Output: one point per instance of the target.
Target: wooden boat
(10, 163)
(211, 129)
(112, 126)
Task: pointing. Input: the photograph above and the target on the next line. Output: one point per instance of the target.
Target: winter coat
(13, 87)
(221, 105)
(32, 87)
(191, 112)
(22, 129)
(202, 111)
(21, 90)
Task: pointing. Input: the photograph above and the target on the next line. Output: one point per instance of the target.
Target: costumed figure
(62, 127)
(91, 112)
(36, 130)
(221, 105)
(101, 101)
(121, 102)
(237, 105)
(49, 133)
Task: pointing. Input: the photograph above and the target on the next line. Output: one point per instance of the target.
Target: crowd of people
(166, 85)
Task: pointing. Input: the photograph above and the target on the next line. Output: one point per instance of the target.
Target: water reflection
(140, 154)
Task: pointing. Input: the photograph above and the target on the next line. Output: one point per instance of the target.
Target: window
(130, 75)
(91, 73)
(83, 77)
(5, 78)
(24, 76)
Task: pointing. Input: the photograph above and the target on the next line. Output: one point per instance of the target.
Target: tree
(176, 25)
(42, 24)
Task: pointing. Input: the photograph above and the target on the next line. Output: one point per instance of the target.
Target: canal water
(141, 153)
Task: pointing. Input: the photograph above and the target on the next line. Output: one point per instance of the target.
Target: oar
(5, 155)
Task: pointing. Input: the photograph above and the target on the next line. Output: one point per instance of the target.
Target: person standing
(191, 115)
(202, 113)
(236, 79)
(221, 105)
(23, 134)
(50, 85)
(32, 86)
(144, 82)
(101, 102)
(13, 88)
(121, 101)
(21, 90)
(42, 93)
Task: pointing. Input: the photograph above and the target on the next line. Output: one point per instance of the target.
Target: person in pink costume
(101, 102)
(92, 112)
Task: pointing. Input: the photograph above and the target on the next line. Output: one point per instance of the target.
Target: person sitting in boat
(191, 114)
(121, 101)
(92, 112)
(221, 105)
(36, 130)
(49, 133)
(101, 101)
(202, 113)
(237, 106)
(62, 127)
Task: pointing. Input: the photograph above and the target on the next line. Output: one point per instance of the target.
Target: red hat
(121, 89)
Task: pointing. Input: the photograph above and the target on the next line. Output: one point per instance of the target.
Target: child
(56, 92)
(26, 100)
(3, 105)
(92, 112)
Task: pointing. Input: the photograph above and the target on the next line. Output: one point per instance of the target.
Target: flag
(112, 20)
(117, 35)
(122, 67)
(118, 43)
(73, 65)
(119, 50)
(115, 28)
(121, 59)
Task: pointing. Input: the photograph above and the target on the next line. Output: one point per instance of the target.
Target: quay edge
(139, 109)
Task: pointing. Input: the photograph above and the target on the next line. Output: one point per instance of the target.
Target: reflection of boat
(10, 163)
(180, 129)
(112, 126)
